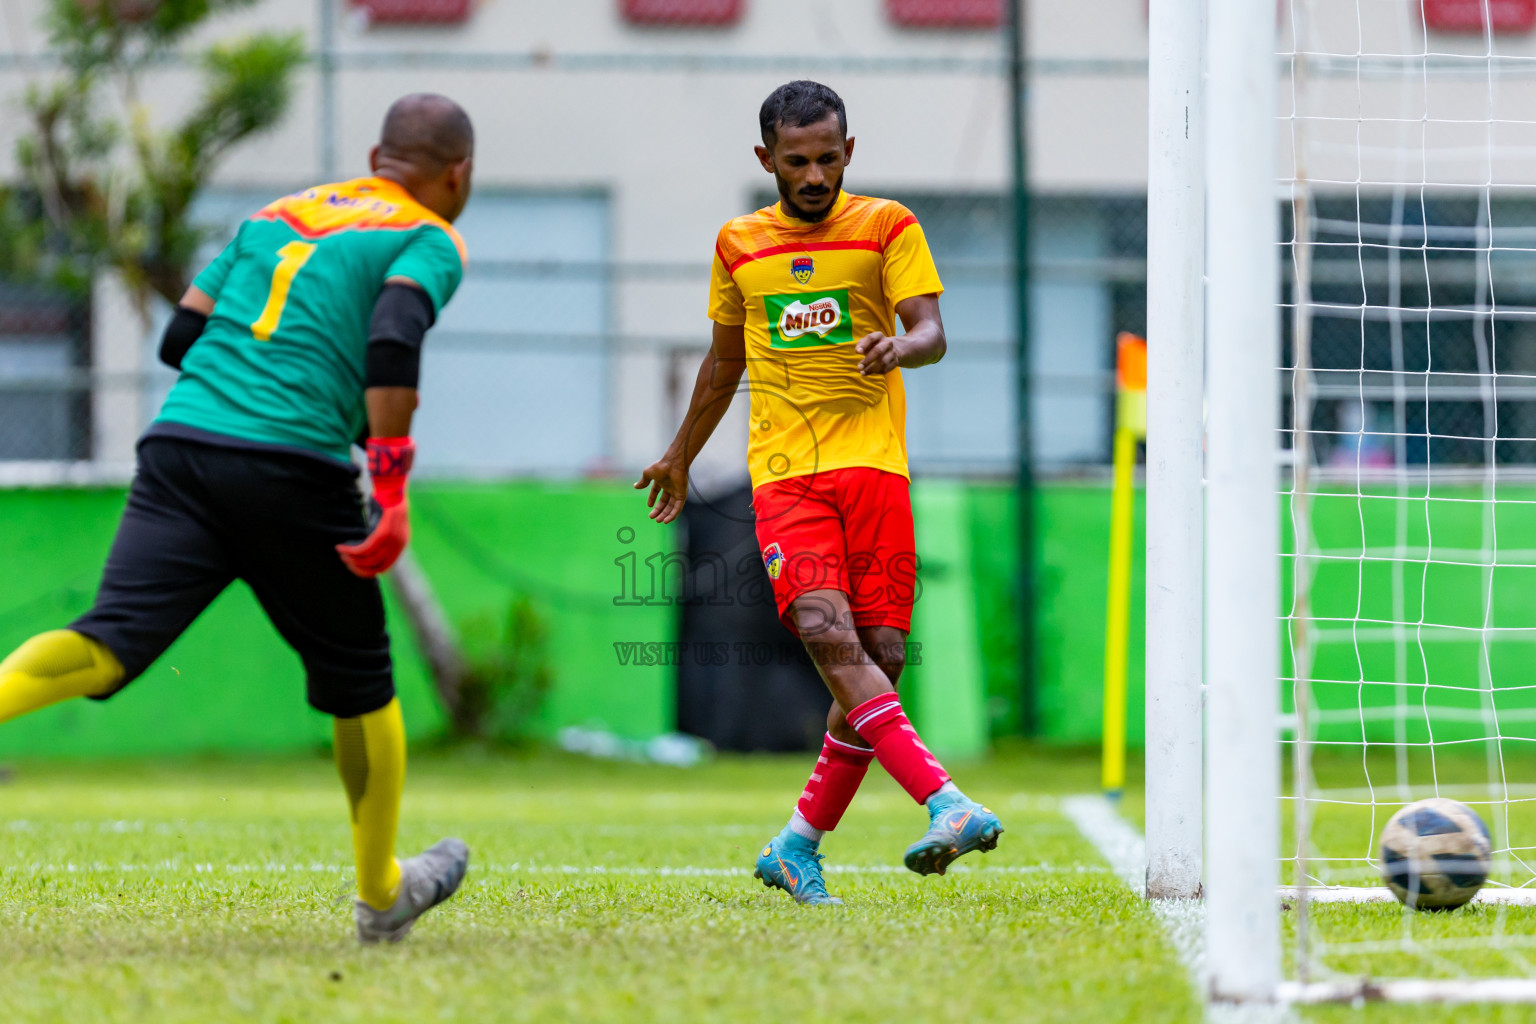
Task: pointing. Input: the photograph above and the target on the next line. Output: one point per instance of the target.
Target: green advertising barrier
(1072, 520)
(942, 687)
(1422, 615)
(591, 566)
(231, 684)
(595, 569)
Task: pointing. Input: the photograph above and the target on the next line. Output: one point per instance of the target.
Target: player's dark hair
(797, 104)
(427, 130)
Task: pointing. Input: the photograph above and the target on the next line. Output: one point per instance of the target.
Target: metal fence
(45, 382)
(1423, 321)
(525, 370)
(522, 373)
(541, 365)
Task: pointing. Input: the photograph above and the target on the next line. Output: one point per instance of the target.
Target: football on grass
(1435, 854)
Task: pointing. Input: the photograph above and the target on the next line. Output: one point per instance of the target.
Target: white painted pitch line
(1018, 801)
(1183, 920)
(1459, 991)
(588, 870)
(203, 826)
(1506, 896)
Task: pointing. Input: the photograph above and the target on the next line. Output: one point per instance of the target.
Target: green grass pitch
(199, 890)
(220, 890)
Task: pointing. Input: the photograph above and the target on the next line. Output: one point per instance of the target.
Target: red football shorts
(845, 529)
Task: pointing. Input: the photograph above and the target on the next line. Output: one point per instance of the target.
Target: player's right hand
(667, 478)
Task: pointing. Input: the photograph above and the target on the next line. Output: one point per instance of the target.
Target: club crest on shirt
(803, 267)
(773, 560)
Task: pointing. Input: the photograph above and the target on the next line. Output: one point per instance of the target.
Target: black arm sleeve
(399, 325)
(185, 328)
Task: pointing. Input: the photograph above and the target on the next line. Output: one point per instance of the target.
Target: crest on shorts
(803, 267)
(773, 560)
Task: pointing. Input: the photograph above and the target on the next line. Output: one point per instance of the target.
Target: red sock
(837, 775)
(884, 726)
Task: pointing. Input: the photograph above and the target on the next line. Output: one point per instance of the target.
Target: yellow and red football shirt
(806, 293)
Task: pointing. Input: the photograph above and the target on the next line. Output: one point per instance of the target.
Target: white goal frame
(1175, 443)
(1213, 565)
(1242, 647)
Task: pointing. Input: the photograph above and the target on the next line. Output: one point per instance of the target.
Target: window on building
(45, 403)
(945, 13)
(682, 12)
(514, 375)
(1473, 16)
(416, 12)
(1087, 283)
(1410, 314)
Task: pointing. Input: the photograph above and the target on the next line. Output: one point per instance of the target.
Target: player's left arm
(922, 344)
(196, 305)
(186, 326)
(911, 282)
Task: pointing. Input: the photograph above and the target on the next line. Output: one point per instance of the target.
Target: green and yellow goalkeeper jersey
(281, 361)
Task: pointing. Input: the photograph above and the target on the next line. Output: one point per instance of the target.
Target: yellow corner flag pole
(1130, 429)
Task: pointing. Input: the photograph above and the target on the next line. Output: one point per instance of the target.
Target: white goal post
(1353, 595)
(1242, 512)
(1175, 442)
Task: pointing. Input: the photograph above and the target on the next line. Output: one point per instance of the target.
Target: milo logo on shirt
(808, 320)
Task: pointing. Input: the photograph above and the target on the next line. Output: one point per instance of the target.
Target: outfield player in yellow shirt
(804, 297)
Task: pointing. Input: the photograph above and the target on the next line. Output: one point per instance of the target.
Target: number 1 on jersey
(294, 255)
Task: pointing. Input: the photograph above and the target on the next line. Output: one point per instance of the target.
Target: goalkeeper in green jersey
(303, 336)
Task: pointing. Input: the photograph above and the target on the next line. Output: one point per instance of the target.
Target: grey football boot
(426, 880)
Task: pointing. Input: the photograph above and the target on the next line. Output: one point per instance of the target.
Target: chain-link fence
(527, 367)
(570, 348)
(1423, 321)
(45, 382)
(1421, 307)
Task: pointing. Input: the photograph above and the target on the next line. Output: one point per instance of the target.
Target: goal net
(1408, 523)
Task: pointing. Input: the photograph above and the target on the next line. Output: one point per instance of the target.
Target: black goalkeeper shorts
(200, 517)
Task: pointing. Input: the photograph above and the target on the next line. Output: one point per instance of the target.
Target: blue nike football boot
(790, 862)
(956, 826)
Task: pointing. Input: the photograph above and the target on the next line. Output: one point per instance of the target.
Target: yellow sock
(55, 666)
(370, 754)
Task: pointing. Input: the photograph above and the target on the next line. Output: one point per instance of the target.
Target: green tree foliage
(507, 677)
(103, 184)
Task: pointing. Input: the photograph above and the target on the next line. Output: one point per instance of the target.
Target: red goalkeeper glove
(389, 524)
